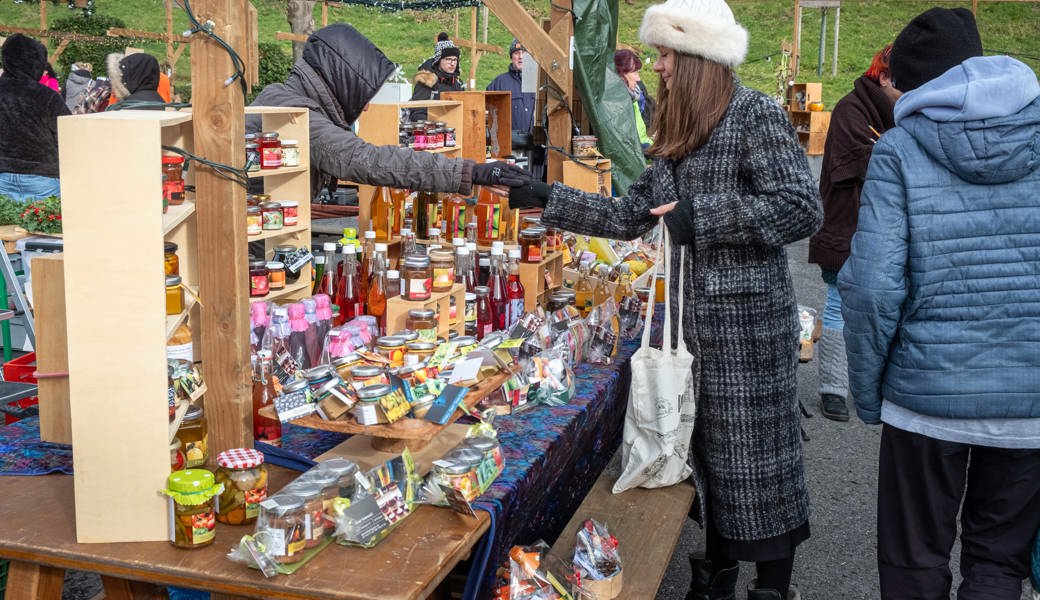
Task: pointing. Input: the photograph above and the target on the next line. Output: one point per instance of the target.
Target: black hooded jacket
(29, 111)
(429, 82)
(135, 77)
(339, 72)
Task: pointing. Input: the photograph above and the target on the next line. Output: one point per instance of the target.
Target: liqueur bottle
(583, 298)
(377, 292)
(298, 335)
(515, 289)
(265, 429)
(499, 295)
(348, 294)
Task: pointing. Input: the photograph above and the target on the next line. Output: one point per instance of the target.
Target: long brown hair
(688, 113)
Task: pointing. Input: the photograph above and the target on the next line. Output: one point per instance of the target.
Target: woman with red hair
(857, 121)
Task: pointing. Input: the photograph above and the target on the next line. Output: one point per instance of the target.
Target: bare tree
(300, 14)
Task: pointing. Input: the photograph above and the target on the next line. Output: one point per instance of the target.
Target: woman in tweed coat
(735, 187)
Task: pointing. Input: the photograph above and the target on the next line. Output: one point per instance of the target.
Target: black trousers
(921, 484)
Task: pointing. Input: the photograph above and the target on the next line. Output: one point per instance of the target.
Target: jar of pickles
(532, 244)
(244, 476)
(423, 321)
(417, 278)
(171, 263)
(194, 434)
(282, 518)
(391, 348)
(190, 500)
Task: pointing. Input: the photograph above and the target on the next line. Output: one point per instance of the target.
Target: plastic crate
(20, 370)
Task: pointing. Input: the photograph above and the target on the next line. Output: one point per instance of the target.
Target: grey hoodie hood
(980, 119)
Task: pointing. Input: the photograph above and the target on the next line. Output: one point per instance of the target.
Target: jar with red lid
(270, 150)
(419, 137)
(259, 286)
(173, 179)
(244, 475)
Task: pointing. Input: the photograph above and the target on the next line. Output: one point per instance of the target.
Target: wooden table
(38, 537)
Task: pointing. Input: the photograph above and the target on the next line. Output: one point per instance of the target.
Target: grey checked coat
(743, 195)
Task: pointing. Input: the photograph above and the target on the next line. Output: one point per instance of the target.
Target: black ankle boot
(711, 584)
(754, 593)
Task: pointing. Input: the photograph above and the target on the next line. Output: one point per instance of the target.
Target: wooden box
(481, 110)
(397, 310)
(592, 175)
(533, 277)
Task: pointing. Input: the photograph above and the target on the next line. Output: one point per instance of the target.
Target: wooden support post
(169, 33)
(30, 581)
(797, 51)
(475, 54)
(560, 117)
(551, 55)
(324, 14)
(219, 127)
(43, 16)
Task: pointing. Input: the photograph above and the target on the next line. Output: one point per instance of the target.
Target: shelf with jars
(399, 309)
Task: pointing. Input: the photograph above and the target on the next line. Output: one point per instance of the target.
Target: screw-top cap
(348, 249)
(393, 274)
(462, 251)
(514, 253)
(370, 235)
(458, 242)
(498, 245)
(497, 251)
(435, 231)
(381, 247)
(329, 246)
(482, 290)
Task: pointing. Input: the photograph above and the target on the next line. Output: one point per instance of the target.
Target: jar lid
(252, 210)
(440, 123)
(424, 400)
(363, 371)
(172, 160)
(194, 413)
(250, 136)
(172, 280)
(256, 264)
(470, 296)
(371, 392)
(421, 346)
(294, 386)
(339, 466)
(327, 386)
(408, 369)
(407, 335)
(275, 264)
(169, 247)
(269, 135)
(261, 197)
(390, 341)
(284, 203)
(288, 142)
(465, 340)
(449, 129)
(421, 313)
(252, 146)
(451, 467)
(192, 487)
(178, 366)
(270, 205)
(285, 248)
(240, 458)
(318, 372)
(282, 504)
(417, 262)
(482, 443)
(306, 490)
(321, 477)
(482, 290)
(467, 456)
(393, 274)
(346, 359)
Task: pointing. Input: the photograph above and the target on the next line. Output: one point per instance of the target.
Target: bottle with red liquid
(348, 292)
(485, 313)
(377, 291)
(323, 311)
(499, 295)
(298, 335)
(515, 289)
(265, 429)
(327, 283)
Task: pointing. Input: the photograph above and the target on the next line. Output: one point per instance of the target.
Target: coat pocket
(730, 281)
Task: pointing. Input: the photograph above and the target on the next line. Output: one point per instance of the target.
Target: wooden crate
(533, 278)
(499, 106)
(801, 95)
(592, 175)
(811, 127)
(397, 310)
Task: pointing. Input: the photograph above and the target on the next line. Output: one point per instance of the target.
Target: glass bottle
(310, 313)
(471, 232)
(425, 203)
(454, 216)
(488, 216)
(265, 429)
(323, 311)
(499, 295)
(365, 260)
(393, 283)
(384, 214)
(624, 286)
(483, 268)
(259, 321)
(515, 290)
(327, 283)
(485, 314)
(601, 291)
(433, 239)
(583, 291)
(377, 290)
(463, 271)
(348, 295)
(298, 335)
(318, 273)
(409, 247)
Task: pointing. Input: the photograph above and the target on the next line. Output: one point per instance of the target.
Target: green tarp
(604, 96)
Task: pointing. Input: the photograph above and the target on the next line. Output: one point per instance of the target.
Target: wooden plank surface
(408, 565)
(52, 352)
(646, 523)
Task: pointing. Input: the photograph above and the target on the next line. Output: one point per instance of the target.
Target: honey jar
(532, 244)
(174, 295)
(417, 278)
(442, 264)
(423, 321)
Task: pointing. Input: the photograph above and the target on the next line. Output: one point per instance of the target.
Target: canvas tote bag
(661, 403)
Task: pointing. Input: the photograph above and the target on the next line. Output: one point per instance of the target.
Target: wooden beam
(292, 37)
(145, 35)
(324, 14)
(552, 56)
(30, 581)
(481, 46)
(561, 29)
(177, 54)
(252, 47)
(169, 31)
(219, 128)
(43, 16)
(57, 51)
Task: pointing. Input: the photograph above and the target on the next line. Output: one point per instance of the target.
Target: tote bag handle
(664, 249)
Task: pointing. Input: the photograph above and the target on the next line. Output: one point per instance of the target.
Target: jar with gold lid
(423, 321)
(442, 264)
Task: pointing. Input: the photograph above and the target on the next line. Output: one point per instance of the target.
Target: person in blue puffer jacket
(941, 301)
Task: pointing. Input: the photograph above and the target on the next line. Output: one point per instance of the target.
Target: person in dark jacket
(857, 121)
(28, 123)
(941, 300)
(337, 75)
(734, 187)
(135, 78)
(440, 73)
(77, 84)
(512, 81)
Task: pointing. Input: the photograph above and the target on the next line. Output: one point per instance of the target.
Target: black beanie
(934, 42)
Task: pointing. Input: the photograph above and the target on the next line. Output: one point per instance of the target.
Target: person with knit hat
(941, 302)
(512, 81)
(135, 79)
(734, 187)
(440, 73)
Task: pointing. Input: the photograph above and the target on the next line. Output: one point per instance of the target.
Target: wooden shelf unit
(810, 125)
(592, 175)
(479, 107)
(533, 278)
(397, 310)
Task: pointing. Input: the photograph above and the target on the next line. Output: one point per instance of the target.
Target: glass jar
(176, 455)
(442, 264)
(529, 222)
(173, 179)
(553, 239)
(458, 475)
(244, 475)
(272, 215)
(421, 350)
(252, 157)
(423, 321)
(194, 434)
(491, 463)
(393, 283)
(290, 153)
(334, 398)
(392, 348)
(290, 212)
(171, 263)
(532, 244)
(270, 150)
(345, 363)
(329, 483)
(367, 411)
(284, 254)
(282, 519)
(254, 221)
(482, 306)
(318, 376)
(190, 493)
(344, 470)
(556, 302)
(259, 286)
(422, 405)
(417, 278)
(313, 512)
(449, 137)
(469, 323)
(174, 295)
(276, 275)
(364, 375)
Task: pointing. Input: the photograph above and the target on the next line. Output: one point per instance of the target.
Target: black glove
(533, 194)
(679, 221)
(500, 173)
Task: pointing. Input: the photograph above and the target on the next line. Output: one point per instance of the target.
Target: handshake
(524, 192)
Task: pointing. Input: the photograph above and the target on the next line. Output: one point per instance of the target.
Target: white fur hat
(701, 27)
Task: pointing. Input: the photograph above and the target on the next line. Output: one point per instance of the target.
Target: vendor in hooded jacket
(338, 74)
